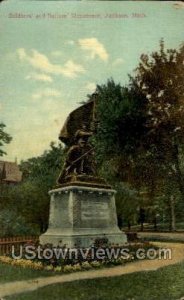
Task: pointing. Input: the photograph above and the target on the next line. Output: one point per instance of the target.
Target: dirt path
(17, 287)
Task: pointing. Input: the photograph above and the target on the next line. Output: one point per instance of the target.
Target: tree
(12, 224)
(160, 79)
(40, 174)
(140, 135)
(31, 196)
(120, 113)
(5, 138)
(120, 119)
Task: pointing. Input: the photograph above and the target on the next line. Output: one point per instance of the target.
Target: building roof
(9, 172)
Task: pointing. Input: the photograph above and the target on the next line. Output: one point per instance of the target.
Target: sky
(57, 54)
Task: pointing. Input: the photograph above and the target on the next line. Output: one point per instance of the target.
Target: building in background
(10, 173)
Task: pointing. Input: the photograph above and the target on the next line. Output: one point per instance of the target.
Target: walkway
(17, 287)
(164, 236)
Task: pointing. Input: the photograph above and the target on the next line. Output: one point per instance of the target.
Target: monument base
(82, 216)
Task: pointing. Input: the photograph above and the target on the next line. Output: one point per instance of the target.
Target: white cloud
(118, 62)
(94, 47)
(70, 69)
(91, 86)
(46, 93)
(39, 77)
(41, 62)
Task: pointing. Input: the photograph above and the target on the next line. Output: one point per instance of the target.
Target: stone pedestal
(82, 216)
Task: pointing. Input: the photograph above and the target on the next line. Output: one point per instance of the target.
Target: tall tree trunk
(129, 225)
(172, 214)
(155, 222)
(179, 175)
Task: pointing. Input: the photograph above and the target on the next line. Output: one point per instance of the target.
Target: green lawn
(160, 226)
(167, 283)
(11, 273)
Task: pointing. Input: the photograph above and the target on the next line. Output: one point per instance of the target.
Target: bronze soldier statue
(80, 157)
(80, 166)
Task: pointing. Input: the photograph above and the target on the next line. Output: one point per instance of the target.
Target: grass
(166, 283)
(160, 227)
(162, 239)
(11, 273)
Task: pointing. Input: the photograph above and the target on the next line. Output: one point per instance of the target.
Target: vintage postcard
(91, 150)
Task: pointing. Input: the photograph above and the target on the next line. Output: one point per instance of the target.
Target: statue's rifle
(79, 158)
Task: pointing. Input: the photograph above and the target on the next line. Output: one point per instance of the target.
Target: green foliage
(45, 168)
(159, 77)
(5, 138)
(127, 203)
(121, 120)
(40, 176)
(120, 113)
(139, 137)
(31, 196)
(12, 224)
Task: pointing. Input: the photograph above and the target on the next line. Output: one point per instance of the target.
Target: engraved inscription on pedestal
(94, 210)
